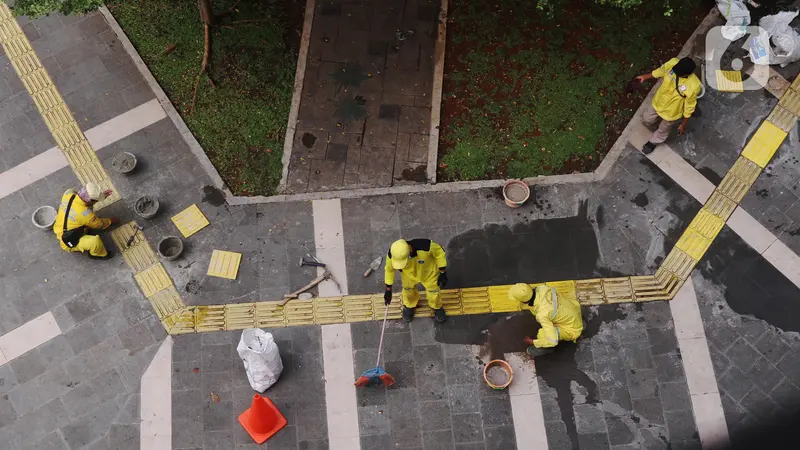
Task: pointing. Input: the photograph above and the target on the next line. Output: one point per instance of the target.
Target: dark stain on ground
(308, 140)
(752, 285)
(641, 200)
(417, 174)
(539, 250)
(710, 175)
(763, 193)
(501, 334)
(213, 196)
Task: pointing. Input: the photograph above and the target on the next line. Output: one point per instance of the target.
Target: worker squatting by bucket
(560, 317)
(77, 227)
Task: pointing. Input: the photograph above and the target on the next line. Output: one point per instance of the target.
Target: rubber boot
(109, 255)
(408, 314)
(648, 148)
(534, 351)
(439, 315)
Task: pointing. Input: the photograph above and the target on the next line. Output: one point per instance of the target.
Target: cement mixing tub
(146, 206)
(498, 374)
(170, 248)
(516, 193)
(125, 162)
(44, 217)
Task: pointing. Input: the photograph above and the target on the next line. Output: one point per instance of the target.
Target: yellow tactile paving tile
(79, 154)
(745, 170)
(720, 205)
(122, 233)
(791, 100)
(679, 263)
(729, 81)
(782, 118)
(139, 257)
(152, 280)
(190, 221)
(707, 224)
(647, 289)
(224, 264)
(764, 143)
(37, 81)
(166, 302)
(93, 171)
(590, 292)
(618, 290)
(693, 243)
(733, 187)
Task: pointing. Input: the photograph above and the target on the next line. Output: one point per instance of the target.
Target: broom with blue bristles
(377, 376)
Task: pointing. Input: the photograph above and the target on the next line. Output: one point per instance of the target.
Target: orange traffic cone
(262, 419)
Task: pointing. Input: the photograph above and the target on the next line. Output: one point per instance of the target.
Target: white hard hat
(94, 191)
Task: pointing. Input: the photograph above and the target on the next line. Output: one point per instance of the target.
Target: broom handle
(383, 329)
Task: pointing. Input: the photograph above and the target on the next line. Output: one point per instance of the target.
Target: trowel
(373, 265)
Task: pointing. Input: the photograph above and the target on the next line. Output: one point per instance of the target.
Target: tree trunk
(207, 17)
(206, 12)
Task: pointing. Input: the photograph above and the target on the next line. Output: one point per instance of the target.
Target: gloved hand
(528, 340)
(442, 279)
(387, 296)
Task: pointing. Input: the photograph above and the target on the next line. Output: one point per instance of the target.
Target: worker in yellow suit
(77, 226)
(420, 261)
(560, 317)
(675, 100)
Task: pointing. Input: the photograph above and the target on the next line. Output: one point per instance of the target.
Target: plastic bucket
(146, 206)
(44, 217)
(491, 371)
(170, 248)
(516, 193)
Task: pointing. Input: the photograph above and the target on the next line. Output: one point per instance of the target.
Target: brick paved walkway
(370, 61)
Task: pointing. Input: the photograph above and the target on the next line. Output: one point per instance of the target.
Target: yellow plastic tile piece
(791, 100)
(57, 117)
(26, 64)
(16, 46)
(648, 289)
(590, 292)
(729, 81)
(139, 257)
(69, 136)
(498, 298)
(764, 143)
(451, 302)
(92, 171)
(190, 221)
(707, 224)
(36, 81)
(47, 99)
(328, 310)
(5, 12)
(693, 243)
(166, 302)
(224, 264)
(269, 315)
(720, 205)
(80, 154)
(240, 316)
(745, 170)
(358, 308)
(181, 322)
(153, 280)
(618, 290)
(679, 263)
(209, 318)
(122, 233)
(475, 301)
(733, 187)
(782, 118)
(299, 312)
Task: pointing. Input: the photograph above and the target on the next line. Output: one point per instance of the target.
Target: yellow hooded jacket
(80, 215)
(668, 102)
(559, 317)
(425, 260)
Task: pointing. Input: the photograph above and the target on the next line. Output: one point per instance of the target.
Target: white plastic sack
(737, 16)
(262, 361)
(778, 42)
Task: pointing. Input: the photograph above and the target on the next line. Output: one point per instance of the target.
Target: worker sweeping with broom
(560, 317)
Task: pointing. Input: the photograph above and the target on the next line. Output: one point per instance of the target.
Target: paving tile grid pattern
(389, 46)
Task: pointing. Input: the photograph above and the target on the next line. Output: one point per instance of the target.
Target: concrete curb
(172, 113)
(299, 77)
(599, 174)
(436, 93)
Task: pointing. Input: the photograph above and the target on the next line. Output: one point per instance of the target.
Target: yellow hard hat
(399, 251)
(94, 191)
(520, 292)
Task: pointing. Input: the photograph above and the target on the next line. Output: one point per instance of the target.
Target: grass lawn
(242, 121)
(528, 95)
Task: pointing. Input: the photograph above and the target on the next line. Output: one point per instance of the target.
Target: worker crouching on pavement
(675, 99)
(77, 227)
(420, 261)
(559, 317)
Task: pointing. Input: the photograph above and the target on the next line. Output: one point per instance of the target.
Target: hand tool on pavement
(304, 261)
(373, 266)
(136, 230)
(377, 376)
(326, 275)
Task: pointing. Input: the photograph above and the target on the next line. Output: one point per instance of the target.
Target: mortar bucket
(170, 248)
(44, 217)
(516, 193)
(498, 366)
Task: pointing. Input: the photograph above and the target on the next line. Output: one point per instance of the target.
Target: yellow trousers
(411, 294)
(88, 243)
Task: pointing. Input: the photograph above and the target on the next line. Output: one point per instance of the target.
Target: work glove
(387, 296)
(442, 279)
(528, 340)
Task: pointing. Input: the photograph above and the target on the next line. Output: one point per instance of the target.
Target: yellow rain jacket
(80, 215)
(425, 260)
(559, 317)
(668, 101)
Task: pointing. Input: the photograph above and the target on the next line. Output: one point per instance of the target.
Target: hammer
(136, 229)
(305, 262)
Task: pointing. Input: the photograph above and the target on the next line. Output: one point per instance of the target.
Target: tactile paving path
(178, 318)
(51, 106)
